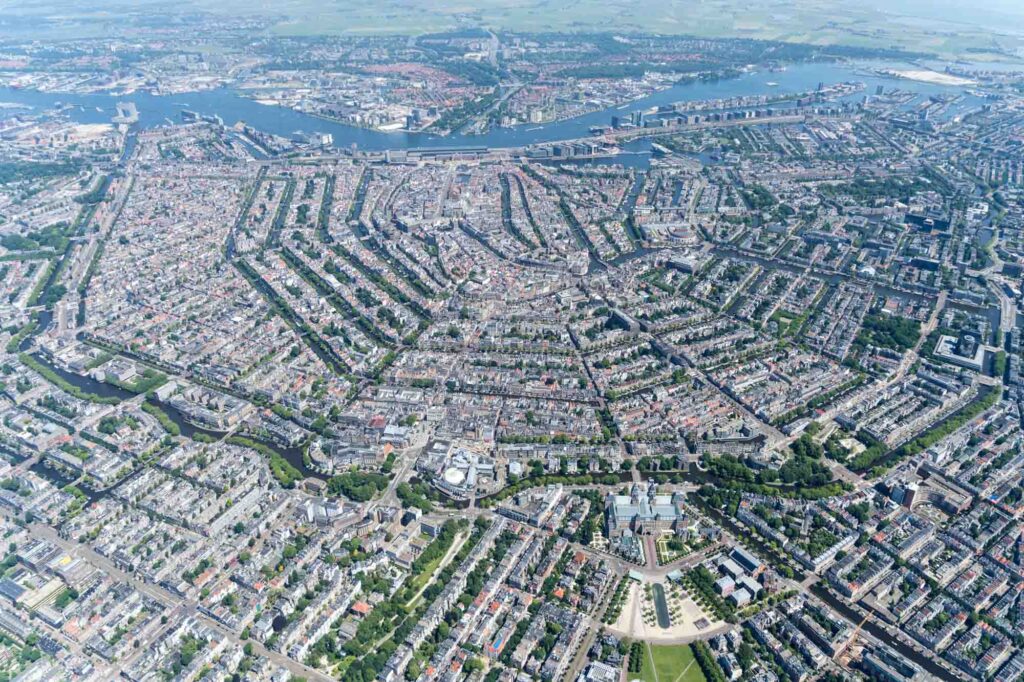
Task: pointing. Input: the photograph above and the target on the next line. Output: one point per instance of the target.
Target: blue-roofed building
(11, 590)
(747, 561)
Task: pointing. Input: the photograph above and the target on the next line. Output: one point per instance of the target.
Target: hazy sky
(968, 11)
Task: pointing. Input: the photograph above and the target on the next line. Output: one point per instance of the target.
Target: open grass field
(670, 664)
(942, 27)
(423, 578)
(805, 21)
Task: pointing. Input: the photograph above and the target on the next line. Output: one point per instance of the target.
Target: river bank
(232, 107)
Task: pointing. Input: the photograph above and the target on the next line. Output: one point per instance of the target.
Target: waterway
(934, 670)
(879, 631)
(158, 110)
(831, 278)
(661, 606)
(292, 454)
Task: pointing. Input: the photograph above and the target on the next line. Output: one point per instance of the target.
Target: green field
(419, 581)
(992, 30)
(807, 21)
(670, 664)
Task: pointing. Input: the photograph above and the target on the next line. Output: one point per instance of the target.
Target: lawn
(668, 663)
(427, 573)
(421, 580)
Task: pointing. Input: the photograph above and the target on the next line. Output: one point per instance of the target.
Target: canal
(849, 613)
(294, 455)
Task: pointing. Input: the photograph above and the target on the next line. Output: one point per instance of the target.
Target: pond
(661, 606)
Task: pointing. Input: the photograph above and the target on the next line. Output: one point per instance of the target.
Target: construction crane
(853, 637)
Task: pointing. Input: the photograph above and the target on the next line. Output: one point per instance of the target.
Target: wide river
(157, 110)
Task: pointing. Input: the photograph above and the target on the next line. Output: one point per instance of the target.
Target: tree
(745, 655)
(805, 446)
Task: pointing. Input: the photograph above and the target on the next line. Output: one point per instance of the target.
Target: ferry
(772, 84)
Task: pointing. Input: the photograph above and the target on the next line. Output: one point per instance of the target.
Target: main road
(186, 607)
